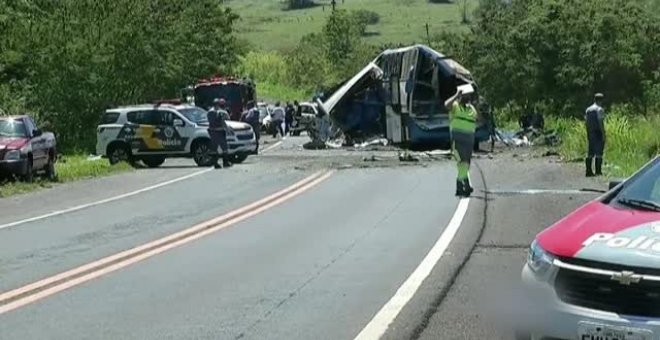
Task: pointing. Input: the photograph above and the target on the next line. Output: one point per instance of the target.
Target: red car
(25, 150)
(597, 271)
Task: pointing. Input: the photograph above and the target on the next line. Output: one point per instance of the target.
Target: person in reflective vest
(462, 125)
(217, 117)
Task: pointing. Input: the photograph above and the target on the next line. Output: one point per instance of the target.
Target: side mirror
(614, 183)
(178, 122)
(37, 133)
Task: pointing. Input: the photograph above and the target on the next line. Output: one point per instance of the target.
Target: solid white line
(381, 321)
(103, 201)
(272, 146)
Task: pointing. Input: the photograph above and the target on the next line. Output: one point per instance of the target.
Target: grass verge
(270, 91)
(69, 168)
(631, 142)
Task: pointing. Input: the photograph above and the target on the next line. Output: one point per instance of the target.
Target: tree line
(66, 61)
(557, 53)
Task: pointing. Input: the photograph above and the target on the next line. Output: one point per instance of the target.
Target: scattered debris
(374, 141)
(407, 157)
(372, 158)
(550, 153)
(94, 157)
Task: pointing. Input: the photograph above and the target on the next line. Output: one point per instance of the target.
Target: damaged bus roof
(399, 95)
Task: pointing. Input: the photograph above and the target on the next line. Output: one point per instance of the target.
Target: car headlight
(13, 155)
(538, 259)
(231, 132)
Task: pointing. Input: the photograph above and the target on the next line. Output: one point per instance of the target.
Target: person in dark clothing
(217, 117)
(252, 117)
(288, 117)
(298, 108)
(537, 121)
(595, 123)
(525, 120)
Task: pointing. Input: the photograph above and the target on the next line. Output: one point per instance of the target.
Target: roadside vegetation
(69, 168)
(64, 62)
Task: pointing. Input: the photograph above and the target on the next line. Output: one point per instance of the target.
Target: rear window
(109, 117)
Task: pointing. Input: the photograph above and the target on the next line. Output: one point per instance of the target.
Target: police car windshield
(644, 191)
(12, 128)
(195, 114)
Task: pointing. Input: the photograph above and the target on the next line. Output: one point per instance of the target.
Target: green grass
(631, 142)
(270, 92)
(69, 168)
(267, 26)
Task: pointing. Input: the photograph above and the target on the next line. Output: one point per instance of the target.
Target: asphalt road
(317, 262)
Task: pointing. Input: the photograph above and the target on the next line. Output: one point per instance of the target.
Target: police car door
(139, 131)
(171, 131)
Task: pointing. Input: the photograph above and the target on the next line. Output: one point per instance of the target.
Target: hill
(267, 25)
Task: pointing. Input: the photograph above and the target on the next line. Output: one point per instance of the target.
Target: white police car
(151, 133)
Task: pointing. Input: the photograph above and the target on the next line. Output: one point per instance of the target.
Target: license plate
(593, 331)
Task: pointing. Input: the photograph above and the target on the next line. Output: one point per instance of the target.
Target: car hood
(12, 142)
(606, 233)
(234, 125)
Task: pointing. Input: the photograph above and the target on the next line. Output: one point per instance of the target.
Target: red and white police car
(597, 271)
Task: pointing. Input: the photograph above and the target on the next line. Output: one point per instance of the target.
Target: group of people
(283, 117)
(462, 124)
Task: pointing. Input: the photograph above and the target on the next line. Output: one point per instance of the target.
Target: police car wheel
(201, 153)
(118, 154)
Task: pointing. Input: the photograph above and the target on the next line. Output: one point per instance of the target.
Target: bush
(367, 17)
(319, 61)
(631, 140)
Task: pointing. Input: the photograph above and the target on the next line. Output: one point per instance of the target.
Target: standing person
(595, 122)
(462, 125)
(217, 117)
(277, 119)
(288, 117)
(298, 108)
(252, 117)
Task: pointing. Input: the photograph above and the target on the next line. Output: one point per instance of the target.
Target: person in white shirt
(278, 119)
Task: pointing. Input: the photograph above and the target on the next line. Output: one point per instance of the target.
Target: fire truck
(237, 92)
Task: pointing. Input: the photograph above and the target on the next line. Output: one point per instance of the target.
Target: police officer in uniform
(217, 117)
(462, 125)
(595, 121)
(252, 117)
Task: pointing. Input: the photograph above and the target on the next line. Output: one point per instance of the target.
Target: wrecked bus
(400, 95)
(236, 92)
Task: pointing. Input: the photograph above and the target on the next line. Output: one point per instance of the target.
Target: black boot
(225, 161)
(460, 189)
(599, 166)
(468, 188)
(587, 163)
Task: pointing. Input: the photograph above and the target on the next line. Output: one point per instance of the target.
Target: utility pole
(428, 37)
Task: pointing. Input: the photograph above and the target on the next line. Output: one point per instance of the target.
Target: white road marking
(272, 146)
(103, 201)
(381, 321)
(539, 191)
(111, 199)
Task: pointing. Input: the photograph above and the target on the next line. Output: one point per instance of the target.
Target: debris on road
(407, 157)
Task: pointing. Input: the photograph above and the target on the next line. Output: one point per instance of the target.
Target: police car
(595, 274)
(153, 132)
